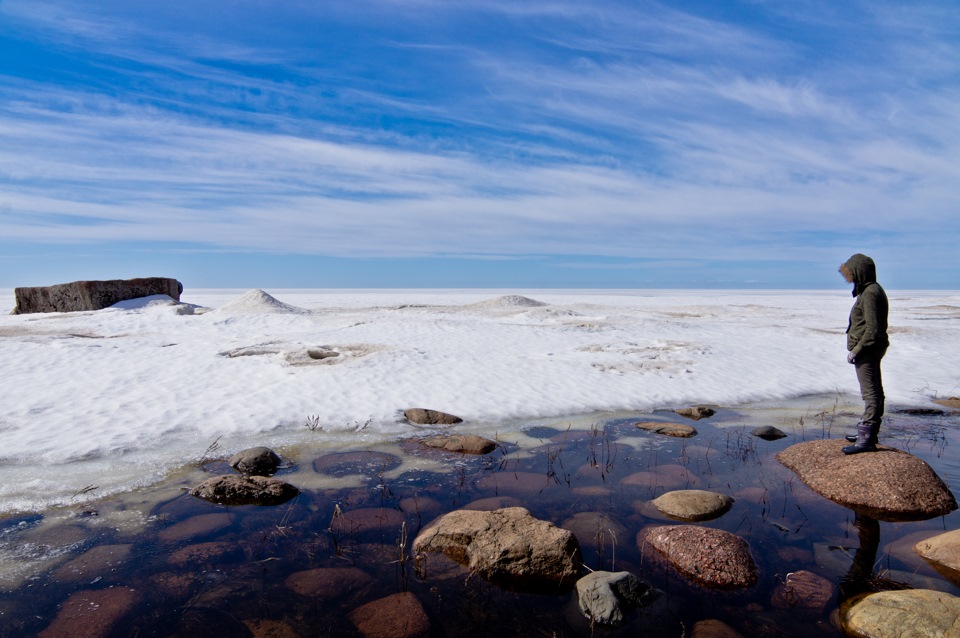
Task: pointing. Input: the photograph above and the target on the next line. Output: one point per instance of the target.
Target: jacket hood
(864, 272)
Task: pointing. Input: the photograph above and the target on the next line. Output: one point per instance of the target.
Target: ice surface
(119, 397)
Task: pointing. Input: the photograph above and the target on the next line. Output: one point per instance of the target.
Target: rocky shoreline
(611, 529)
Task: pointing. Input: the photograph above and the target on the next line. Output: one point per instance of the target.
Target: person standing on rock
(867, 342)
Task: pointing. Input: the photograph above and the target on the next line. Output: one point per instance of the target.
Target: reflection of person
(867, 343)
(858, 578)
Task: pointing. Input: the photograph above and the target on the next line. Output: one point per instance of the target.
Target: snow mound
(509, 301)
(258, 302)
(159, 301)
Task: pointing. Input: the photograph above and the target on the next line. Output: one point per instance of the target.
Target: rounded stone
(669, 429)
(710, 557)
(693, 505)
(918, 613)
(261, 461)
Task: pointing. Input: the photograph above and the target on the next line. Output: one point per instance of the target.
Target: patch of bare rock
(424, 416)
(669, 429)
(461, 443)
(918, 613)
(943, 553)
(889, 484)
(508, 546)
(693, 505)
(91, 295)
(710, 557)
(231, 489)
(696, 412)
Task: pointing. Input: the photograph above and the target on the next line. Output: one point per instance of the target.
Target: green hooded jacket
(867, 328)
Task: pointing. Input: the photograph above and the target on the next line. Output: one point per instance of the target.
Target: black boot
(853, 437)
(866, 440)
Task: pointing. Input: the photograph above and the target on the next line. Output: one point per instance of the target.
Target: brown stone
(231, 489)
(507, 545)
(888, 484)
(96, 563)
(666, 477)
(367, 520)
(707, 556)
(328, 582)
(91, 295)
(201, 553)
(696, 412)
(713, 629)
(195, 527)
(175, 585)
(422, 416)
(595, 529)
(397, 616)
(493, 503)
(918, 613)
(804, 591)
(261, 461)
(943, 553)
(270, 629)
(693, 505)
(363, 462)
(462, 443)
(91, 614)
(952, 402)
(524, 483)
(669, 429)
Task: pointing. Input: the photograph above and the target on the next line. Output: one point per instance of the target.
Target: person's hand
(851, 358)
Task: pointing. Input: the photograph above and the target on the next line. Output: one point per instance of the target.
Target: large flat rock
(91, 295)
(917, 613)
(889, 484)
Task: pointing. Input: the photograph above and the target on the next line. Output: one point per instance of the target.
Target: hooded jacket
(867, 328)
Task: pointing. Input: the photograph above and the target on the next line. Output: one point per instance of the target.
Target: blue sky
(479, 143)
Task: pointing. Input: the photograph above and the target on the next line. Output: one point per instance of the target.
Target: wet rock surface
(696, 412)
(804, 591)
(261, 461)
(366, 462)
(605, 596)
(888, 484)
(507, 545)
(669, 429)
(91, 614)
(693, 505)
(943, 553)
(461, 443)
(96, 563)
(397, 616)
(710, 557)
(244, 490)
(917, 613)
(768, 433)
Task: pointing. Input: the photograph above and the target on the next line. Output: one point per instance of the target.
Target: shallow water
(363, 511)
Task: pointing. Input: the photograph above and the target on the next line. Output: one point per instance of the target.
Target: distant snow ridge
(259, 302)
(509, 301)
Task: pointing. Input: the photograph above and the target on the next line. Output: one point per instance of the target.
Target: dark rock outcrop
(707, 556)
(260, 461)
(231, 489)
(768, 433)
(91, 295)
(507, 546)
(422, 416)
(888, 484)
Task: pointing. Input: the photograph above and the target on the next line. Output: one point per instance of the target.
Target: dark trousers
(871, 387)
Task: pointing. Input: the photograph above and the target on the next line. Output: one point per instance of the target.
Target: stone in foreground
(602, 595)
(888, 485)
(693, 505)
(951, 402)
(422, 416)
(244, 490)
(92, 614)
(804, 591)
(943, 553)
(507, 546)
(669, 429)
(91, 295)
(711, 557)
(397, 616)
(917, 613)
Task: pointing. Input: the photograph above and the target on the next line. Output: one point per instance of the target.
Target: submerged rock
(943, 552)
(92, 614)
(95, 563)
(693, 505)
(244, 490)
(507, 545)
(261, 461)
(713, 628)
(422, 416)
(768, 433)
(804, 591)
(707, 556)
(462, 443)
(365, 462)
(669, 429)
(888, 484)
(602, 595)
(328, 582)
(918, 613)
(397, 616)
